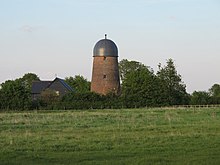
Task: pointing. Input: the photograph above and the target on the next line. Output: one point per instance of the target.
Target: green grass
(134, 136)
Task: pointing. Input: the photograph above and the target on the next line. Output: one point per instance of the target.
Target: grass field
(134, 136)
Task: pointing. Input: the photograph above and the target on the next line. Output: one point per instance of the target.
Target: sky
(56, 37)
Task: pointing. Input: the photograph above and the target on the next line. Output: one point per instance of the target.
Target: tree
(200, 98)
(78, 83)
(28, 78)
(214, 92)
(126, 67)
(173, 90)
(139, 84)
(14, 95)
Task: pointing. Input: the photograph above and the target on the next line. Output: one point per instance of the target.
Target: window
(104, 76)
(57, 93)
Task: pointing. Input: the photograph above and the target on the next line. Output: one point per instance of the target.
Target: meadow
(128, 136)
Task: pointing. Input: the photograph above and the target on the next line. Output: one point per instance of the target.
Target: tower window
(104, 76)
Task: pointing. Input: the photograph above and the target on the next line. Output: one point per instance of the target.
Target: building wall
(105, 75)
(58, 88)
(35, 96)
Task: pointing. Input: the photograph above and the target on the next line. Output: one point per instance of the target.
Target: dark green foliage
(214, 92)
(15, 94)
(126, 67)
(78, 83)
(205, 98)
(28, 78)
(200, 98)
(89, 100)
(49, 98)
(141, 87)
(172, 89)
(86, 100)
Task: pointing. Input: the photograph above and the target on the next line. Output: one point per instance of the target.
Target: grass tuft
(129, 136)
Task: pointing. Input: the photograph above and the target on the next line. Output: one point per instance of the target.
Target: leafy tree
(214, 92)
(14, 95)
(173, 90)
(78, 83)
(139, 85)
(200, 98)
(28, 78)
(126, 67)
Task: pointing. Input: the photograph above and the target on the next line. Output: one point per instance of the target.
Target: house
(59, 86)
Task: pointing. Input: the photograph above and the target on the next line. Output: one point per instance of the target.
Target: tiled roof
(65, 84)
(39, 86)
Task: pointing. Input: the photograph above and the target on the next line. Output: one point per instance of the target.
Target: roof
(105, 47)
(39, 86)
(63, 83)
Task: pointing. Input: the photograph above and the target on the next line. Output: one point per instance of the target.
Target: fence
(193, 106)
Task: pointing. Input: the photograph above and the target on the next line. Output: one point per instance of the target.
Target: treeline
(16, 94)
(140, 87)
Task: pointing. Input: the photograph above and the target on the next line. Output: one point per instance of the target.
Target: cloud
(29, 28)
(173, 18)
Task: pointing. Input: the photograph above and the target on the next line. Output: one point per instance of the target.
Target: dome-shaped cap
(105, 47)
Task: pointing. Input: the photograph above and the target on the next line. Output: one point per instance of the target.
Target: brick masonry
(105, 75)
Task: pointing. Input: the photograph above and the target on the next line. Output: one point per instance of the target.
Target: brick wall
(105, 75)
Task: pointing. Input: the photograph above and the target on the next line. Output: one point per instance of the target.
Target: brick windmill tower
(105, 73)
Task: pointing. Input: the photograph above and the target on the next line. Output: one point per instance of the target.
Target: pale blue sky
(49, 37)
